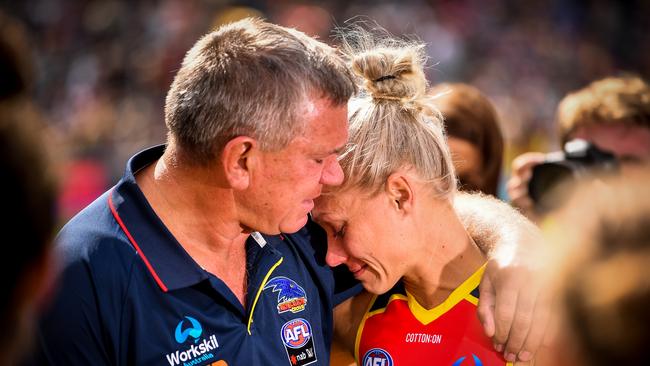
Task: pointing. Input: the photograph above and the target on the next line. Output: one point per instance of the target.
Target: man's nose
(332, 173)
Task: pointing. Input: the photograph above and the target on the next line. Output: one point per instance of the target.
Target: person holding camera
(611, 116)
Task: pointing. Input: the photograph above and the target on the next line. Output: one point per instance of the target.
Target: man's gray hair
(250, 78)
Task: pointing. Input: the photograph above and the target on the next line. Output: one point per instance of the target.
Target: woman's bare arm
(347, 319)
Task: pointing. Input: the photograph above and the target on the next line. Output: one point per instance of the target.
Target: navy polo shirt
(130, 294)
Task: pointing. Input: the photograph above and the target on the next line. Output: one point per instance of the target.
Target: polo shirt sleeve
(71, 332)
(81, 324)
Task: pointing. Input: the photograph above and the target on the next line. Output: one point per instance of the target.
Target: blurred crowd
(103, 67)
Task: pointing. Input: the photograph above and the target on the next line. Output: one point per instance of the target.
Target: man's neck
(451, 258)
(200, 214)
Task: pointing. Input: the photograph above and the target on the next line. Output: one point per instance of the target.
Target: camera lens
(547, 177)
(578, 160)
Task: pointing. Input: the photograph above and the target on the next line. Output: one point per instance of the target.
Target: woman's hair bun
(389, 69)
(392, 122)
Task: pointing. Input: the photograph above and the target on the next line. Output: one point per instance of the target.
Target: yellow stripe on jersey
(368, 314)
(259, 291)
(462, 292)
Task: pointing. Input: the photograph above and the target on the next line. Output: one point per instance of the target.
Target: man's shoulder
(93, 235)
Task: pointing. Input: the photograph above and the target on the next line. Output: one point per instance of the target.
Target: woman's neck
(448, 257)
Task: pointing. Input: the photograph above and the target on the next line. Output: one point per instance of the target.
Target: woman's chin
(376, 286)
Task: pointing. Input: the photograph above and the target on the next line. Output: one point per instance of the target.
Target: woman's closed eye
(340, 232)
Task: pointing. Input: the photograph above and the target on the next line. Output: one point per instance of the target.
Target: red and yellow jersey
(396, 330)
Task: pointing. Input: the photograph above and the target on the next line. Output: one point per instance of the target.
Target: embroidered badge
(377, 357)
(291, 297)
(298, 342)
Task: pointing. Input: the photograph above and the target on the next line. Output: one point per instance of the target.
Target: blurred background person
(602, 242)
(613, 114)
(29, 186)
(28, 218)
(473, 135)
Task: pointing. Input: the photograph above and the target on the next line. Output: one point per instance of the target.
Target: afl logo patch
(377, 357)
(296, 333)
(298, 341)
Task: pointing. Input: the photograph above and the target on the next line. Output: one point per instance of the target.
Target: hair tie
(387, 77)
(389, 97)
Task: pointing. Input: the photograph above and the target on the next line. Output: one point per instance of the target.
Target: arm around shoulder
(499, 230)
(515, 300)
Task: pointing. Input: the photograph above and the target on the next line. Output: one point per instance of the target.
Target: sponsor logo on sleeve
(298, 342)
(188, 332)
(377, 357)
(291, 297)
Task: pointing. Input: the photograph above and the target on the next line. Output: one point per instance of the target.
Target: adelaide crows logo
(291, 297)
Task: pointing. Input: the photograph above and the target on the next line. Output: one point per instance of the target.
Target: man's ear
(400, 191)
(236, 158)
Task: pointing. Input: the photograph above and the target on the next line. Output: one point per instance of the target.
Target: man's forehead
(327, 127)
(317, 108)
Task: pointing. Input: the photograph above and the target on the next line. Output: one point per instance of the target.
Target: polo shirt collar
(170, 265)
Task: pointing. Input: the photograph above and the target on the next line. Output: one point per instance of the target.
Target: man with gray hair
(202, 254)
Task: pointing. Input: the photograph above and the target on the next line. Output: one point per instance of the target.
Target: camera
(552, 180)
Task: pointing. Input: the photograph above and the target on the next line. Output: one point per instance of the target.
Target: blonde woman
(393, 224)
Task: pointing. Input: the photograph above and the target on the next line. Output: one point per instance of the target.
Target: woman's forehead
(337, 205)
